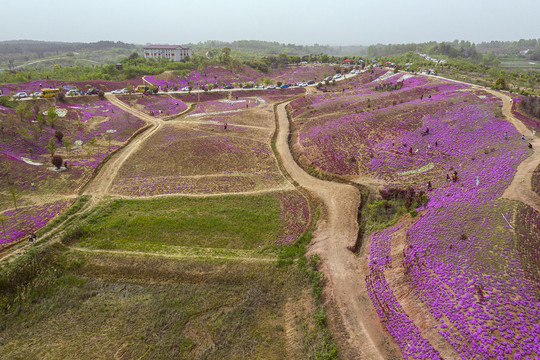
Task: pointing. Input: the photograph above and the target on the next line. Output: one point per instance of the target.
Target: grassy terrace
(227, 222)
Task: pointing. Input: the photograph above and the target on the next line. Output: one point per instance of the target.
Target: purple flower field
(168, 105)
(461, 258)
(18, 224)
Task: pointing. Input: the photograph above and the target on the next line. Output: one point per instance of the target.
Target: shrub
(101, 95)
(500, 83)
(58, 135)
(61, 97)
(57, 161)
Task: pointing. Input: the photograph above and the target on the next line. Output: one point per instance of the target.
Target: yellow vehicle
(141, 88)
(49, 92)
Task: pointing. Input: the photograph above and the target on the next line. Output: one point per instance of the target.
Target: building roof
(171, 47)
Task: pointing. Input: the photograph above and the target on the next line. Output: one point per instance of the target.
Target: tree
(225, 56)
(52, 116)
(67, 144)
(52, 146)
(57, 161)
(15, 194)
(500, 83)
(40, 120)
(21, 110)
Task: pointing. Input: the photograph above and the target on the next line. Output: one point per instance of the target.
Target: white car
(271, 87)
(20, 95)
(259, 87)
(73, 93)
(36, 94)
(304, 84)
(328, 78)
(186, 88)
(119, 91)
(337, 76)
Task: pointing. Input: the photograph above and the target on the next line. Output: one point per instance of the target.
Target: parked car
(228, 87)
(73, 92)
(328, 78)
(284, 86)
(337, 76)
(20, 95)
(36, 94)
(311, 82)
(186, 88)
(92, 91)
(260, 86)
(271, 87)
(119, 91)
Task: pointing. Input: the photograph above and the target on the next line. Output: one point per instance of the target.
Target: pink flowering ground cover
(222, 76)
(212, 75)
(226, 106)
(461, 258)
(19, 223)
(24, 152)
(206, 160)
(201, 97)
(393, 317)
(158, 105)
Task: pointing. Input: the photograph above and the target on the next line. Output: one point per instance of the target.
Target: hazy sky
(335, 22)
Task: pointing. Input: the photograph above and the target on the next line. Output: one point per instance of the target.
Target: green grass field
(233, 222)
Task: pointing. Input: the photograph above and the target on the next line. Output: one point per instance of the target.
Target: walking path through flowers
(337, 229)
(520, 189)
(103, 181)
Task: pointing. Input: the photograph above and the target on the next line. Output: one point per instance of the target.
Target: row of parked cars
(72, 92)
(144, 88)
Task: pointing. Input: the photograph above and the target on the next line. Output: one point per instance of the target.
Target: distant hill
(18, 52)
(261, 48)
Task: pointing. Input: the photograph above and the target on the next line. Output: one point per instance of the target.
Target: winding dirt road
(521, 188)
(103, 181)
(337, 229)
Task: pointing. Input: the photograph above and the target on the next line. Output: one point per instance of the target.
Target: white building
(172, 52)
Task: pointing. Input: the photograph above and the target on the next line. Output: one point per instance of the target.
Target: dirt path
(174, 256)
(337, 229)
(521, 188)
(103, 181)
(286, 187)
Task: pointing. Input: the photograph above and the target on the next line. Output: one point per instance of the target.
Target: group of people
(32, 238)
(454, 177)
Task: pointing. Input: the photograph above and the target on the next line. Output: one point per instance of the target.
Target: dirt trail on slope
(102, 182)
(173, 256)
(521, 188)
(337, 229)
